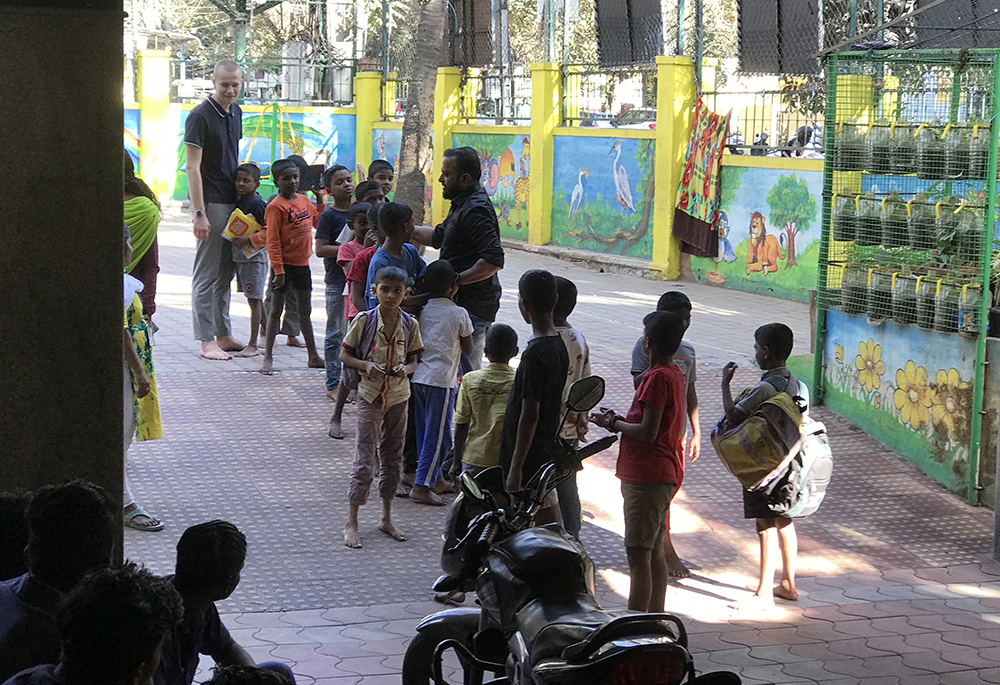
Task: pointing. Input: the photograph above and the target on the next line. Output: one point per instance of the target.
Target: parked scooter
(539, 622)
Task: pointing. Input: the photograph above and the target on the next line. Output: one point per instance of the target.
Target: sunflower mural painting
(909, 388)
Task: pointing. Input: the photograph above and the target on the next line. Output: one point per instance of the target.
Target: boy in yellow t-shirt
(482, 401)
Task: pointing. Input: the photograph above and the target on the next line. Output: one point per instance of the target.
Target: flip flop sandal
(130, 521)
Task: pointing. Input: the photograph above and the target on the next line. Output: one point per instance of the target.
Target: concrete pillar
(368, 111)
(447, 113)
(61, 263)
(546, 117)
(157, 134)
(675, 98)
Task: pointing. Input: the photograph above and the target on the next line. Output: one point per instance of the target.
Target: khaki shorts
(646, 506)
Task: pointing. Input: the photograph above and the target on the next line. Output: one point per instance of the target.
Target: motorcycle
(539, 622)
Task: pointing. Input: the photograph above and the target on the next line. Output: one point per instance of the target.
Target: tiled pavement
(897, 584)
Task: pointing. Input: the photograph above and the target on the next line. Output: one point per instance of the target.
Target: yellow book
(241, 225)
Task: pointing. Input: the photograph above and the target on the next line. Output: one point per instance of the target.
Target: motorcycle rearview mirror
(585, 394)
(471, 488)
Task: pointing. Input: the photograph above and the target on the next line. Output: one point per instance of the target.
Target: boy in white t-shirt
(579, 367)
(447, 334)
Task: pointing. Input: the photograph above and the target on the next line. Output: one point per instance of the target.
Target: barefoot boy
(676, 302)
(772, 346)
(357, 221)
(385, 354)
(290, 218)
(251, 272)
(650, 460)
(447, 334)
(533, 410)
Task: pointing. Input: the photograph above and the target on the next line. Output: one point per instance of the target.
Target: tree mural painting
(505, 161)
(793, 208)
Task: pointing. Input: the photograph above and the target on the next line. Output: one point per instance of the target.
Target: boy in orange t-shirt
(290, 218)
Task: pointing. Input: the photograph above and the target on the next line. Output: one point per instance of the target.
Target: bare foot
(316, 362)
(786, 591)
(403, 490)
(331, 393)
(408, 478)
(228, 343)
(248, 351)
(352, 396)
(442, 487)
(267, 365)
(391, 530)
(753, 603)
(294, 342)
(676, 568)
(335, 431)
(351, 537)
(211, 350)
(424, 495)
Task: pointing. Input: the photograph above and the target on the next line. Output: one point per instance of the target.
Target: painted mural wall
(506, 164)
(769, 233)
(322, 137)
(909, 388)
(386, 143)
(132, 133)
(603, 194)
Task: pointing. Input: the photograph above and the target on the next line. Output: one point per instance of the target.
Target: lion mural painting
(765, 250)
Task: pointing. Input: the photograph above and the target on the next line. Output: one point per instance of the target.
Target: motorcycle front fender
(451, 621)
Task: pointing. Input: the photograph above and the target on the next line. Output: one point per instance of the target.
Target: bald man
(211, 142)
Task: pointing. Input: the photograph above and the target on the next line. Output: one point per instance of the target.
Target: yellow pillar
(675, 98)
(158, 137)
(368, 111)
(447, 111)
(546, 117)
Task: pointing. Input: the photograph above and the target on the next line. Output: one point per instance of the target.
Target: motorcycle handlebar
(486, 539)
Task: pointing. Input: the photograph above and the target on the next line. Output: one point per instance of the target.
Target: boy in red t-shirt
(650, 459)
(357, 277)
(290, 218)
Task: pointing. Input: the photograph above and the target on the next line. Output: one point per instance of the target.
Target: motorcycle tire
(716, 678)
(419, 657)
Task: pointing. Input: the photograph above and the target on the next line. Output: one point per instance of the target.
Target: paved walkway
(895, 573)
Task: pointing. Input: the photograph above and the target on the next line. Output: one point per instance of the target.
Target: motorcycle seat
(549, 625)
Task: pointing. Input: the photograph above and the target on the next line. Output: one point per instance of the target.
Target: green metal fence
(910, 202)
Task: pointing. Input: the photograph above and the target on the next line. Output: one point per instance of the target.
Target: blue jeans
(334, 333)
(569, 501)
(474, 361)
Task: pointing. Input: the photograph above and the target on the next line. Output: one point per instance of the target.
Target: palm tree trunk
(430, 46)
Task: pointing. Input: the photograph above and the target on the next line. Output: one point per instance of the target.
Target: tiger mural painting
(764, 250)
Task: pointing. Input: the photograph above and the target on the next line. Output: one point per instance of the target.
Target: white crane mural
(577, 197)
(623, 192)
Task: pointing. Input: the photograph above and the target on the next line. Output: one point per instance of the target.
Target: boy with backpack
(381, 344)
(650, 460)
(772, 347)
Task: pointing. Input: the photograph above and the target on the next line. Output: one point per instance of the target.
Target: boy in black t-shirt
(533, 411)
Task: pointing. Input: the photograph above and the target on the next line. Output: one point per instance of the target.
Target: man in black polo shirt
(469, 238)
(211, 142)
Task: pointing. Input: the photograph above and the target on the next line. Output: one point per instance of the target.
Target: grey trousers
(212, 277)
